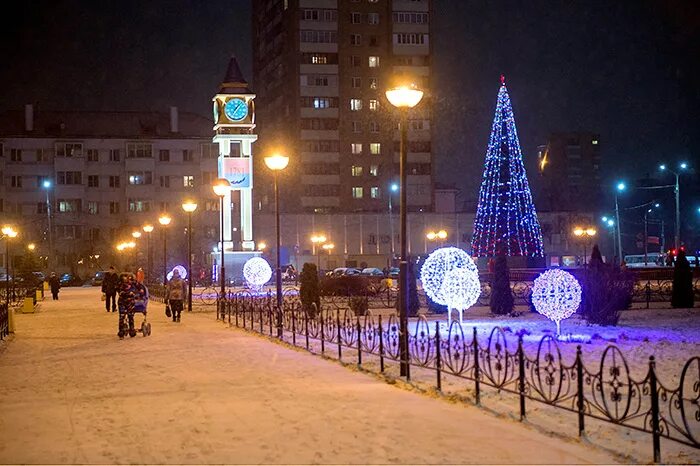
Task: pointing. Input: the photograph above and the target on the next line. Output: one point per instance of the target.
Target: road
(200, 392)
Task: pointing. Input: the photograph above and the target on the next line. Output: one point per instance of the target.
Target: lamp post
(316, 241)
(148, 228)
(440, 235)
(47, 186)
(619, 188)
(277, 163)
(8, 233)
(136, 234)
(403, 98)
(394, 187)
(676, 191)
(189, 207)
(164, 221)
(221, 187)
(585, 234)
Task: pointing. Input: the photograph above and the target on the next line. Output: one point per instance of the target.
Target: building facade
(569, 171)
(320, 71)
(108, 174)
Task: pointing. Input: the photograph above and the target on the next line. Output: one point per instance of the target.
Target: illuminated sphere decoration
(450, 277)
(556, 294)
(179, 268)
(257, 272)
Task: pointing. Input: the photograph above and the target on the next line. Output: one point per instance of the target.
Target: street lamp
(277, 163)
(619, 188)
(165, 220)
(393, 188)
(189, 207)
(8, 233)
(676, 191)
(31, 247)
(221, 187)
(585, 234)
(47, 186)
(148, 228)
(403, 98)
(317, 240)
(262, 246)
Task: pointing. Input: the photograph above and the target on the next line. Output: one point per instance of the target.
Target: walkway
(198, 392)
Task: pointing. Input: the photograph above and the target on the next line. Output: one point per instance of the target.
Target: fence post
(359, 343)
(381, 345)
(579, 391)
(521, 377)
(262, 330)
(244, 306)
(337, 321)
(656, 430)
(323, 343)
(475, 350)
(438, 356)
(306, 329)
(294, 326)
(269, 317)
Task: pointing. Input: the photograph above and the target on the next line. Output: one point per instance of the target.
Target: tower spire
(234, 82)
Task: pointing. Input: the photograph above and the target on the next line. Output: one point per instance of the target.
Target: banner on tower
(236, 170)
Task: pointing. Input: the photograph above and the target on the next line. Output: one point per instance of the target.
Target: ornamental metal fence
(4, 321)
(607, 393)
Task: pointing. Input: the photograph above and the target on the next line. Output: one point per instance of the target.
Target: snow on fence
(608, 393)
(4, 321)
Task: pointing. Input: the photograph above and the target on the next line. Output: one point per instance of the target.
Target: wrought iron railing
(608, 393)
(4, 321)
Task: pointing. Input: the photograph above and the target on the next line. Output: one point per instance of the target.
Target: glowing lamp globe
(277, 162)
(450, 277)
(257, 272)
(556, 294)
(404, 96)
(180, 269)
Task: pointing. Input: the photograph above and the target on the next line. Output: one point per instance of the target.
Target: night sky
(625, 69)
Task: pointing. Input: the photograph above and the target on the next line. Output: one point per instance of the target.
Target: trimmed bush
(359, 305)
(606, 290)
(501, 301)
(347, 285)
(682, 295)
(309, 289)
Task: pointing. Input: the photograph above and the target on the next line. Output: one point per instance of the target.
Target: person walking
(55, 285)
(110, 285)
(175, 295)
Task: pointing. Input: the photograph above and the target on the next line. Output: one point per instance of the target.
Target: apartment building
(108, 174)
(320, 71)
(569, 171)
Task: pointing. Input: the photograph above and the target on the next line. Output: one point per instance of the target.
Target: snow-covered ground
(199, 392)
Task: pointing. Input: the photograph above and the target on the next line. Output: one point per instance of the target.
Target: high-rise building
(320, 71)
(569, 173)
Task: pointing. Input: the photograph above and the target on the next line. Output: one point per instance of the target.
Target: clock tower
(234, 122)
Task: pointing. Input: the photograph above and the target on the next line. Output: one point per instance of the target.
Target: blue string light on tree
(256, 272)
(450, 277)
(556, 294)
(505, 213)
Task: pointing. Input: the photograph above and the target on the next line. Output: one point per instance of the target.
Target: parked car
(372, 272)
(350, 271)
(68, 279)
(394, 272)
(98, 278)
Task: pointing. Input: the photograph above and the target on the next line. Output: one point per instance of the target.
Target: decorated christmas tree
(505, 216)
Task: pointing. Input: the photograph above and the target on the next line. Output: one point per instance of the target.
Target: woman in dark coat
(55, 285)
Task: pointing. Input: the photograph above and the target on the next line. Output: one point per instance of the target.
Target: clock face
(216, 112)
(236, 109)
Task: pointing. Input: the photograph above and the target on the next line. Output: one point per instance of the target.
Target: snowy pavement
(199, 392)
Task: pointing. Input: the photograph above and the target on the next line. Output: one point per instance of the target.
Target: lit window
(92, 208)
(374, 61)
(355, 104)
(373, 104)
(373, 83)
(357, 192)
(375, 148)
(595, 142)
(356, 171)
(356, 148)
(188, 181)
(374, 170)
(374, 192)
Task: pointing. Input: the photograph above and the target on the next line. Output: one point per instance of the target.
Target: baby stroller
(128, 307)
